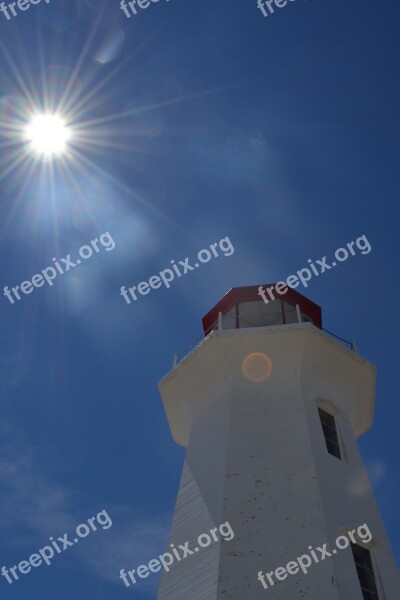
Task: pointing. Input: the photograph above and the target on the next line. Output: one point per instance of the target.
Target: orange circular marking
(257, 366)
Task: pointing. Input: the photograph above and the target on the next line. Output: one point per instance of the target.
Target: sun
(48, 135)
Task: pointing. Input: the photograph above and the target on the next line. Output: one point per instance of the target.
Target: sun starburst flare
(48, 135)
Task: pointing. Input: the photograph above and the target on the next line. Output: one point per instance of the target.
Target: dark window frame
(365, 571)
(331, 432)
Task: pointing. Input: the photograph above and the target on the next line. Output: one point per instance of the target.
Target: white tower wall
(257, 458)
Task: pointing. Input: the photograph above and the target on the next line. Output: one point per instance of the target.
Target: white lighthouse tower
(269, 407)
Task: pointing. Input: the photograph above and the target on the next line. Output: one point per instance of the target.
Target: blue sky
(207, 120)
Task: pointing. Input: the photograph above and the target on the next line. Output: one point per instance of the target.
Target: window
(290, 313)
(259, 314)
(330, 432)
(229, 319)
(305, 318)
(365, 572)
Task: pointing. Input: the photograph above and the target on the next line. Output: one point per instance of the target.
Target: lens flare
(48, 135)
(257, 366)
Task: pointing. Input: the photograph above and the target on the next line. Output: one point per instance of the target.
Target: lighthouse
(269, 407)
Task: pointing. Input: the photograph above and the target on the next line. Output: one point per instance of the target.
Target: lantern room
(261, 306)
